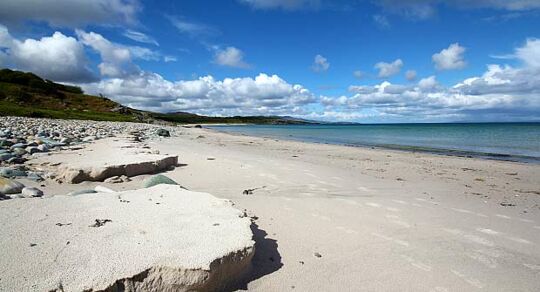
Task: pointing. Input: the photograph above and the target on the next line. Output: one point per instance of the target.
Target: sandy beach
(337, 218)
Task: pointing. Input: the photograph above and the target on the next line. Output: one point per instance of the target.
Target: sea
(502, 141)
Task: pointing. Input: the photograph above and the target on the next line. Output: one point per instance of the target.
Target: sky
(387, 61)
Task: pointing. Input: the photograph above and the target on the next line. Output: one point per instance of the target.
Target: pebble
(31, 192)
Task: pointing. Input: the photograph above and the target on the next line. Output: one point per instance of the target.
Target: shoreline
(334, 217)
(401, 148)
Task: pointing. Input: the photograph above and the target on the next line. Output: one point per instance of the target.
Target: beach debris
(317, 255)
(157, 180)
(210, 158)
(250, 191)
(506, 204)
(100, 222)
(198, 126)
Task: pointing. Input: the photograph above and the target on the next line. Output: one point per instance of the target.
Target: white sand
(381, 220)
(158, 238)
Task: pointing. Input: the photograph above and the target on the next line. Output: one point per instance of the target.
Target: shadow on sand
(266, 259)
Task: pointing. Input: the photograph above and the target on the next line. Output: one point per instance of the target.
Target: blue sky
(365, 61)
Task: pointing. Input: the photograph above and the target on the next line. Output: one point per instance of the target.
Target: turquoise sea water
(507, 141)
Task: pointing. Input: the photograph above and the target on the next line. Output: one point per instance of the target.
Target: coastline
(332, 217)
(405, 148)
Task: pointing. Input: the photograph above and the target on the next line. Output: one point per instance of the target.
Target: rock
(16, 160)
(139, 245)
(32, 150)
(8, 186)
(30, 192)
(157, 180)
(81, 192)
(18, 145)
(163, 133)
(19, 151)
(9, 172)
(34, 176)
(6, 156)
(108, 158)
(43, 148)
(198, 126)
(89, 139)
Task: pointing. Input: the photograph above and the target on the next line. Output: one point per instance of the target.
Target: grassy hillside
(26, 94)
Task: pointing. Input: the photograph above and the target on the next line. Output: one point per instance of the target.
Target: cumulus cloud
(320, 64)
(230, 57)
(116, 60)
(502, 92)
(410, 75)
(451, 58)
(140, 37)
(70, 13)
(389, 69)
(264, 94)
(282, 4)
(57, 57)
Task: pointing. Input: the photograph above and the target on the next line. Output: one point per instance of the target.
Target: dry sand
(336, 218)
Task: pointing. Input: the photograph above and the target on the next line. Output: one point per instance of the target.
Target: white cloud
(410, 75)
(530, 52)
(424, 9)
(320, 64)
(140, 37)
(389, 69)
(451, 58)
(192, 28)
(57, 57)
(70, 13)
(264, 94)
(359, 74)
(230, 57)
(381, 21)
(116, 60)
(168, 59)
(502, 93)
(282, 4)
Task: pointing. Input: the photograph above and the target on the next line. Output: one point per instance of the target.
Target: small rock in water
(8, 186)
(157, 180)
(163, 133)
(30, 192)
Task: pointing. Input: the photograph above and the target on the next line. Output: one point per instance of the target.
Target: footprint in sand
(470, 280)
(417, 264)
(374, 205)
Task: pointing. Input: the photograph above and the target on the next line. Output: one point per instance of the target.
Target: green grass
(9, 109)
